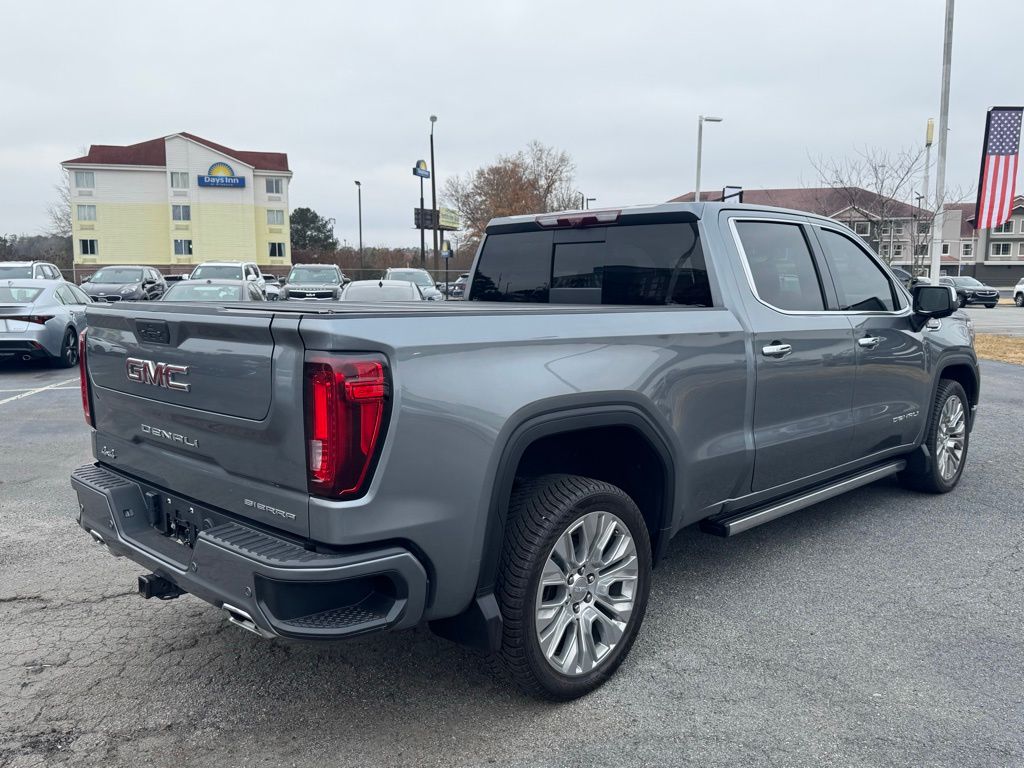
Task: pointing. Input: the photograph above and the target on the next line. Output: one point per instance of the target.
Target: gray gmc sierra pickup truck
(511, 468)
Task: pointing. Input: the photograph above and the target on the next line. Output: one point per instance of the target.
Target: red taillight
(37, 319)
(345, 409)
(83, 380)
(579, 218)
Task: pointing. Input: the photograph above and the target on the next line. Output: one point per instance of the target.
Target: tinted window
(781, 265)
(514, 267)
(653, 264)
(860, 282)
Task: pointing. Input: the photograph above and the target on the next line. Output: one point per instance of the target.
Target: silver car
(41, 319)
(382, 290)
(1018, 293)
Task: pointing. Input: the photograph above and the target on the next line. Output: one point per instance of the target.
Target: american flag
(998, 166)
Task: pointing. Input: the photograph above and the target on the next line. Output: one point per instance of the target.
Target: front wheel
(573, 582)
(68, 357)
(961, 301)
(1019, 299)
(946, 439)
(990, 306)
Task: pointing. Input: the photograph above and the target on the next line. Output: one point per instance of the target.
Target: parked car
(510, 469)
(457, 290)
(1018, 293)
(272, 287)
(125, 283)
(230, 270)
(419, 277)
(314, 282)
(29, 270)
(382, 290)
(42, 319)
(909, 280)
(970, 291)
(214, 290)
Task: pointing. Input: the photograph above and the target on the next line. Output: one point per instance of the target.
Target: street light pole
(940, 167)
(359, 193)
(700, 142)
(433, 186)
(423, 232)
(588, 201)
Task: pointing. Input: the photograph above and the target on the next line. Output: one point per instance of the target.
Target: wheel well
(965, 377)
(619, 455)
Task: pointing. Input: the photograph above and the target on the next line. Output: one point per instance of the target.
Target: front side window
(179, 180)
(275, 186)
(860, 282)
(88, 247)
(275, 218)
(277, 250)
(781, 265)
(181, 212)
(80, 296)
(86, 212)
(182, 247)
(85, 179)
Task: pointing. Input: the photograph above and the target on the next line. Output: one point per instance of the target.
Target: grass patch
(1006, 349)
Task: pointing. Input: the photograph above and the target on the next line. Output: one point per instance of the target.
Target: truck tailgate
(206, 402)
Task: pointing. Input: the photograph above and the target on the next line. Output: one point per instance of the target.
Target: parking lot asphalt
(882, 628)
(1004, 319)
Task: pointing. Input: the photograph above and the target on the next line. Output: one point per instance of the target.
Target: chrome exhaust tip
(240, 618)
(26, 358)
(97, 538)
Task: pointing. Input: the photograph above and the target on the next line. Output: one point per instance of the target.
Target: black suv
(971, 291)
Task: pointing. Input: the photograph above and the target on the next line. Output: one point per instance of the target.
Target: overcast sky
(346, 88)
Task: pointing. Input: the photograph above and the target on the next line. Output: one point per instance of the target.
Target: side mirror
(346, 280)
(87, 279)
(934, 301)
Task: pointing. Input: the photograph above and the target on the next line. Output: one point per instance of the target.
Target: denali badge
(267, 508)
(174, 437)
(157, 374)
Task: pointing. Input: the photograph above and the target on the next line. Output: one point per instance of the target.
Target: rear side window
(781, 265)
(653, 264)
(860, 282)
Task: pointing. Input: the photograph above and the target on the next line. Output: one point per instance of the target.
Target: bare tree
(59, 211)
(535, 180)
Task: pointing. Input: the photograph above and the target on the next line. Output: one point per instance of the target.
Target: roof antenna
(381, 283)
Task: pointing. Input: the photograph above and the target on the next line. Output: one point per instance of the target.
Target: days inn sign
(221, 175)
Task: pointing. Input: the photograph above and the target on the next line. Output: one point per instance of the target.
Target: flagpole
(940, 167)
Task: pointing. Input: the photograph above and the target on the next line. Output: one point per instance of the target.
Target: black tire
(961, 301)
(923, 473)
(990, 306)
(68, 357)
(541, 510)
(1019, 299)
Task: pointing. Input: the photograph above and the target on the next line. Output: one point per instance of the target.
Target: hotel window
(277, 250)
(945, 249)
(179, 180)
(897, 227)
(275, 218)
(85, 179)
(862, 228)
(181, 212)
(967, 249)
(182, 247)
(87, 213)
(88, 247)
(1020, 249)
(1006, 228)
(922, 228)
(1000, 249)
(275, 186)
(897, 249)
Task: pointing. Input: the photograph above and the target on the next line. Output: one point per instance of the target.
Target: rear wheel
(946, 439)
(68, 357)
(1019, 299)
(573, 584)
(990, 306)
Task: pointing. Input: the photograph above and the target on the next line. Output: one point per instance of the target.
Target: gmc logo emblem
(157, 374)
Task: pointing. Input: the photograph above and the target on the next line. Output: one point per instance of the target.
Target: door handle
(869, 342)
(776, 349)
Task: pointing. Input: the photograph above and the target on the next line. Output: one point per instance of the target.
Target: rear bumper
(285, 589)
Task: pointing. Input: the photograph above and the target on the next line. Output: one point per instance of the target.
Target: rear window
(218, 272)
(645, 265)
(16, 272)
(13, 295)
(374, 292)
(203, 292)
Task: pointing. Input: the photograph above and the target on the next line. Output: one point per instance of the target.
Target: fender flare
(568, 417)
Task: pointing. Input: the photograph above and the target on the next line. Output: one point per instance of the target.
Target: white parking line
(59, 384)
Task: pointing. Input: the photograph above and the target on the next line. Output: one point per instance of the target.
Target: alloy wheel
(950, 438)
(586, 593)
